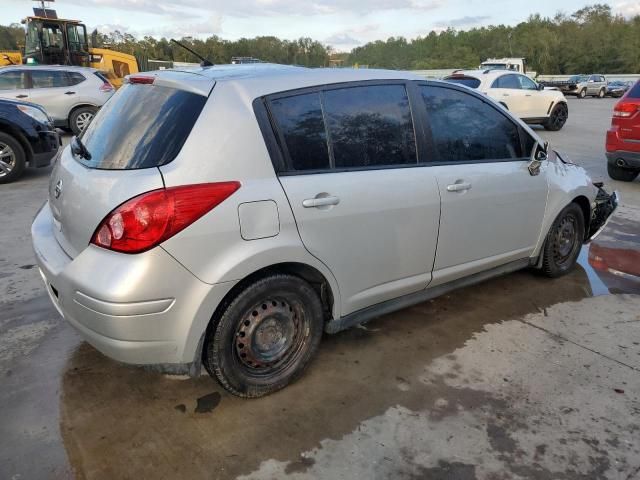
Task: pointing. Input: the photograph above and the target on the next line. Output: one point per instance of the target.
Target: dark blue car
(27, 138)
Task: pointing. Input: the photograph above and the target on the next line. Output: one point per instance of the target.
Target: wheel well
(316, 279)
(585, 206)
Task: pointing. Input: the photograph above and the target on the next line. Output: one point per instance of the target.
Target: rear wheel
(621, 174)
(557, 119)
(266, 336)
(80, 118)
(563, 242)
(583, 93)
(12, 158)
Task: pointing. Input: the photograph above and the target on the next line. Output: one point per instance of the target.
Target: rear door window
(14, 80)
(49, 79)
(370, 126)
(465, 128)
(301, 124)
(141, 126)
(507, 81)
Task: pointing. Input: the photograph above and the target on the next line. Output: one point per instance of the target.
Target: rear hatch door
(142, 127)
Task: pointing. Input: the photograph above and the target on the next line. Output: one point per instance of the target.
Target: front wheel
(601, 93)
(557, 119)
(12, 158)
(563, 242)
(266, 336)
(583, 93)
(80, 119)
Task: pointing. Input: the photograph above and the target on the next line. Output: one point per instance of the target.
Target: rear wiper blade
(78, 148)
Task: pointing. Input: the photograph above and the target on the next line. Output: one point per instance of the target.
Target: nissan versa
(227, 216)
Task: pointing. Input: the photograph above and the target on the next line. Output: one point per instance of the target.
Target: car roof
(259, 79)
(483, 74)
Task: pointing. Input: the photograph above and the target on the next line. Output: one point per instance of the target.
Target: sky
(343, 24)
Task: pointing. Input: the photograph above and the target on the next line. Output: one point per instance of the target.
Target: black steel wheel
(266, 336)
(564, 241)
(558, 118)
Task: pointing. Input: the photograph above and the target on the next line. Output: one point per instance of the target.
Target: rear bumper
(144, 309)
(630, 159)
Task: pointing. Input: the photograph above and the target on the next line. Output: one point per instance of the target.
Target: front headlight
(34, 113)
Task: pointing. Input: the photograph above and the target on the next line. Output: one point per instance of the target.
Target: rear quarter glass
(141, 126)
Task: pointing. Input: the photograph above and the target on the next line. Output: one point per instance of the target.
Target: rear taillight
(149, 219)
(106, 87)
(625, 108)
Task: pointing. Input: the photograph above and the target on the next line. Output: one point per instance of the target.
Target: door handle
(22, 96)
(458, 187)
(528, 95)
(505, 94)
(69, 93)
(320, 202)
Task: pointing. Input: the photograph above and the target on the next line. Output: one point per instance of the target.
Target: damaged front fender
(602, 210)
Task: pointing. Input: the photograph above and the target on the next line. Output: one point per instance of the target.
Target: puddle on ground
(113, 415)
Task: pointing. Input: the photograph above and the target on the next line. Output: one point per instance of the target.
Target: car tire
(13, 159)
(601, 93)
(582, 94)
(265, 337)
(621, 174)
(557, 119)
(564, 241)
(80, 118)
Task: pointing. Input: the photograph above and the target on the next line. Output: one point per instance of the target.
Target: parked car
(27, 138)
(519, 94)
(581, 86)
(236, 212)
(71, 95)
(623, 138)
(617, 88)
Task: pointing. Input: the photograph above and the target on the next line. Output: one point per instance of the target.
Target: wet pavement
(518, 377)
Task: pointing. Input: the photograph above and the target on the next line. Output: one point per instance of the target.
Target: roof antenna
(204, 63)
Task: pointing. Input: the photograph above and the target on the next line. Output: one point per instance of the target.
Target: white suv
(226, 216)
(523, 97)
(70, 95)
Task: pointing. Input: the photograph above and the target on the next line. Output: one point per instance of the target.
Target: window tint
(141, 126)
(526, 83)
(49, 79)
(370, 126)
(12, 80)
(635, 91)
(75, 78)
(299, 119)
(507, 81)
(470, 82)
(528, 144)
(465, 128)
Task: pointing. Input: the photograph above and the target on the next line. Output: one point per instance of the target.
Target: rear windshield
(635, 91)
(141, 126)
(466, 81)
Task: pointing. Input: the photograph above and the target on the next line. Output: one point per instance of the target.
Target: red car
(623, 138)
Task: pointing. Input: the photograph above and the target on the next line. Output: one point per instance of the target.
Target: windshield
(495, 66)
(470, 82)
(578, 78)
(32, 43)
(141, 126)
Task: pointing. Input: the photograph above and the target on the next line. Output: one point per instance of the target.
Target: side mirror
(591, 80)
(540, 87)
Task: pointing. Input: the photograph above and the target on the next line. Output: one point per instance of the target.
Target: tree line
(591, 39)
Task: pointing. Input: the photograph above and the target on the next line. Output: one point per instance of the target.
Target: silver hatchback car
(227, 216)
(70, 95)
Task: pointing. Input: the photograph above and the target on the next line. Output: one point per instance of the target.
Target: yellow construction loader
(57, 41)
